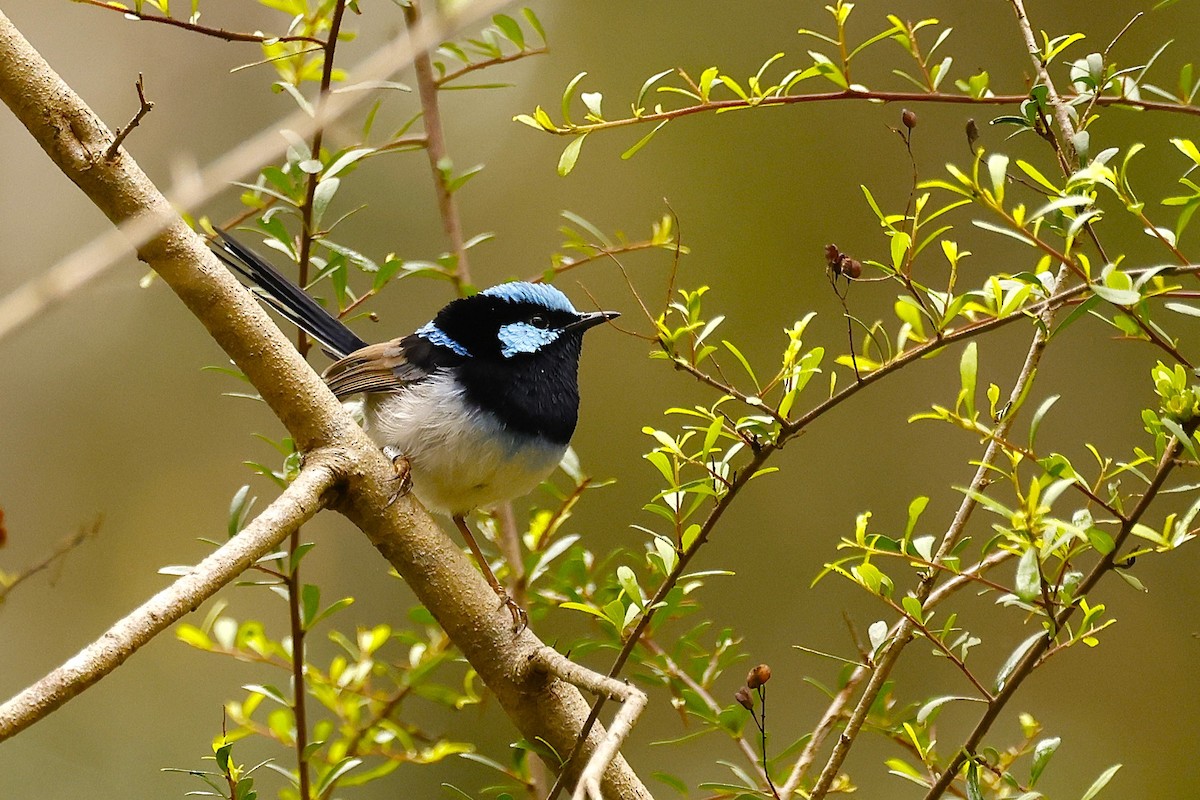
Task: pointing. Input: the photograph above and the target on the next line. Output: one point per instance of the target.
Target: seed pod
(909, 118)
(758, 676)
(832, 254)
(972, 134)
(851, 267)
(742, 695)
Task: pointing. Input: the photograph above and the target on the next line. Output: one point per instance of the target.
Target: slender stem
(439, 162)
(488, 62)
(294, 584)
(219, 33)
(306, 210)
(850, 94)
(144, 108)
(70, 543)
(299, 706)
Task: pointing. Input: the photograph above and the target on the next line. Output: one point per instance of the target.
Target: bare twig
(488, 62)
(439, 162)
(144, 108)
(11, 582)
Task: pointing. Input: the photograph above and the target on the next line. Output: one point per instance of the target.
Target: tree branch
(298, 503)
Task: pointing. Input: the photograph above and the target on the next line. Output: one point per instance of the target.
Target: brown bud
(832, 254)
(742, 695)
(851, 267)
(909, 118)
(972, 134)
(758, 676)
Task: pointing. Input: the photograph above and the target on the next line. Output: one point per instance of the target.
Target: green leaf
(1029, 579)
(570, 155)
(927, 710)
(1036, 422)
(1015, 657)
(968, 367)
(331, 777)
(1100, 782)
(742, 360)
(1041, 756)
(988, 226)
(534, 22)
(653, 79)
(628, 154)
(568, 93)
(322, 195)
(915, 509)
(511, 29)
(587, 609)
(310, 603)
(900, 244)
(1118, 297)
(974, 791)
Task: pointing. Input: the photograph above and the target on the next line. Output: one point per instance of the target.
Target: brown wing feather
(381, 367)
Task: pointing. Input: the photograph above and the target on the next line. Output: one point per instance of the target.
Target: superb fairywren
(481, 401)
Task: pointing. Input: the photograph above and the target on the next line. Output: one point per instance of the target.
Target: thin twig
(144, 108)
(439, 162)
(11, 582)
(294, 584)
(862, 96)
(489, 62)
(204, 30)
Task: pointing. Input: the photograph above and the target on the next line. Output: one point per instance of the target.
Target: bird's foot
(520, 616)
(403, 476)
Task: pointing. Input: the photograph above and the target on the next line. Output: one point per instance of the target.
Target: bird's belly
(461, 458)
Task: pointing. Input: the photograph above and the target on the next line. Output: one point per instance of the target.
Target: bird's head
(511, 322)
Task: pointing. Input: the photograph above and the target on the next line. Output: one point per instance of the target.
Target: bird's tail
(292, 302)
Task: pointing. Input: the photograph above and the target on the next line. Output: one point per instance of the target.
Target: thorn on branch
(144, 108)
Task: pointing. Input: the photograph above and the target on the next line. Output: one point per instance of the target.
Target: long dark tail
(292, 302)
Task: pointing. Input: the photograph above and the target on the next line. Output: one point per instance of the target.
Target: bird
(481, 401)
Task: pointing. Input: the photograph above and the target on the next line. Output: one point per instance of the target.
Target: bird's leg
(403, 476)
(520, 617)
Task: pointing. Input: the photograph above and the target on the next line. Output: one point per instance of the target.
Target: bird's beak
(591, 320)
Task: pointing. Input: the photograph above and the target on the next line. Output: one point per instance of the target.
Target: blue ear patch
(435, 335)
(521, 337)
(537, 293)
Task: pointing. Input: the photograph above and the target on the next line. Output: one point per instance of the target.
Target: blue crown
(537, 293)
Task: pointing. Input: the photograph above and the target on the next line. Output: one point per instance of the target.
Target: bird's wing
(382, 367)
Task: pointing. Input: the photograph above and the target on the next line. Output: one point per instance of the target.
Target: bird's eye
(539, 321)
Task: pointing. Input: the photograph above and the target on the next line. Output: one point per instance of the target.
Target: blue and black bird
(481, 401)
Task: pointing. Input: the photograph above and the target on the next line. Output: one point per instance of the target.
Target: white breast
(462, 458)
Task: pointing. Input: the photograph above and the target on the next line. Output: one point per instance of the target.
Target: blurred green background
(104, 408)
